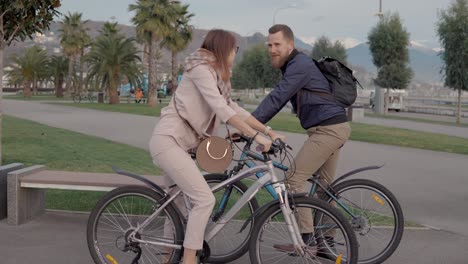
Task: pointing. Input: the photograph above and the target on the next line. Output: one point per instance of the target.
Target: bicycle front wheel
(118, 214)
(229, 244)
(377, 217)
(271, 240)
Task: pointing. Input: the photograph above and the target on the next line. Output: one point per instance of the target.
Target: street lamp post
(380, 13)
(282, 8)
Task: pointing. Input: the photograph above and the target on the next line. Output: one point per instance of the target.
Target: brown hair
(287, 32)
(220, 43)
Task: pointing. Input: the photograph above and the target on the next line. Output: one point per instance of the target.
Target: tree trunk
(80, 85)
(34, 86)
(2, 46)
(113, 95)
(152, 78)
(59, 88)
(27, 89)
(146, 56)
(459, 106)
(386, 101)
(69, 76)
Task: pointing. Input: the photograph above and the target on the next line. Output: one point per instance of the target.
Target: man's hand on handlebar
(274, 136)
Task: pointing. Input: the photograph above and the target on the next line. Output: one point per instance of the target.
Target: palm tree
(179, 38)
(57, 68)
(111, 58)
(28, 69)
(74, 40)
(109, 29)
(155, 19)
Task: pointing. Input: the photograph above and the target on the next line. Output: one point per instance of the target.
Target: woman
(203, 100)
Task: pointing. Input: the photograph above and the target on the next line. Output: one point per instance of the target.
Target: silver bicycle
(141, 224)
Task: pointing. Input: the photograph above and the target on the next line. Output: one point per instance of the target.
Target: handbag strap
(190, 126)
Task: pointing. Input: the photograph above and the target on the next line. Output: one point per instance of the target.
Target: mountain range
(425, 63)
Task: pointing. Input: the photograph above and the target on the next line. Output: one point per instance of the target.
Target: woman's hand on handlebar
(263, 141)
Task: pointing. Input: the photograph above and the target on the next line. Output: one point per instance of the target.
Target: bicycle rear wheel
(230, 244)
(119, 213)
(271, 238)
(378, 219)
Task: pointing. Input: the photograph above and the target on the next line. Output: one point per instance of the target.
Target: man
(138, 95)
(324, 119)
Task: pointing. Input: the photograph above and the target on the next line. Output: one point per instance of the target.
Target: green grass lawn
(416, 119)
(45, 97)
(32, 143)
(137, 109)
(385, 135)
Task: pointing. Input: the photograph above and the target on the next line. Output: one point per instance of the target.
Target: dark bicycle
(77, 98)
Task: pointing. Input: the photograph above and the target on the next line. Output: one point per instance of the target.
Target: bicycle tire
(76, 98)
(239, 250)
(381, 195)
(100, 252)
(314, 204)
(91, 98)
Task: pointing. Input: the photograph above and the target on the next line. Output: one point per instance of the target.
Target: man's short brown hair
(287, 32)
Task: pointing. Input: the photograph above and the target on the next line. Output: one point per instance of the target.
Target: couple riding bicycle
(201, 101)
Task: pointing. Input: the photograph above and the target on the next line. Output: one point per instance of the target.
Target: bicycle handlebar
(276, 146)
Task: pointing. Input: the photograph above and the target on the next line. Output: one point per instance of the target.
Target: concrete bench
(26, 188)
(4, 170)
(355, 113)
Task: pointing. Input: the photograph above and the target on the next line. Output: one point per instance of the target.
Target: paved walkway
(58, 238)
(431, 186)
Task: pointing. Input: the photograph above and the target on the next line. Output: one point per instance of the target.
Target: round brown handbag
(214, 154)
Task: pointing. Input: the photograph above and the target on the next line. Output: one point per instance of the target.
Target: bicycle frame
(268, 177)
(315, 183)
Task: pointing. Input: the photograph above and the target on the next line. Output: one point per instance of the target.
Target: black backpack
(341, 80)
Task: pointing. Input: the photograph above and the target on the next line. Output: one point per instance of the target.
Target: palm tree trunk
(59, 87)
(459, 106)
(27, 89)
(80, 86)
(152, 78)
(34, 86)
(113, 95)
(69, 76)
(145, 56)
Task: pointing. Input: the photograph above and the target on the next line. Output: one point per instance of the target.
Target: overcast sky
(347, 20)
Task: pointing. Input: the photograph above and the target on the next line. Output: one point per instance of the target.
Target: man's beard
(278, 61)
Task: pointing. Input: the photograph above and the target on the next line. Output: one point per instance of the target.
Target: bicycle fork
(290, 218)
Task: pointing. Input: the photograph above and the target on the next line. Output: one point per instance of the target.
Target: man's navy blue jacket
(301, 74)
